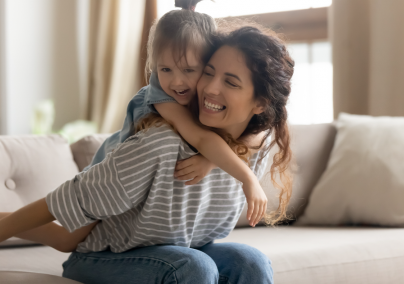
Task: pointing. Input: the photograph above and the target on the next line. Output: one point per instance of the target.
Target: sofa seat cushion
(328, 255)
(38, 259)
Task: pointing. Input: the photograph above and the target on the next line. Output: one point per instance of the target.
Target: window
(226, 8)
(311, 97)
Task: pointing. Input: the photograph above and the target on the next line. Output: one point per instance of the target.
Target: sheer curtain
(368, 57)
(117, 31)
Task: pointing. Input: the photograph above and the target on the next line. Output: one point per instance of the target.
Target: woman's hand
(256, 201)
(193, 169)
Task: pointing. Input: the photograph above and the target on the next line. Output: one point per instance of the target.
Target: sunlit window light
(226, 8)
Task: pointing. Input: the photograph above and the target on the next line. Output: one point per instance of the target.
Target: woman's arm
(216, 150)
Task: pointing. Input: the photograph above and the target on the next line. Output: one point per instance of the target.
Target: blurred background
(71, 66)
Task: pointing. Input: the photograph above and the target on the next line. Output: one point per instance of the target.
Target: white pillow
(363, 183)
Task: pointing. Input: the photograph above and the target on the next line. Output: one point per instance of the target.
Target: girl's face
(226, 92)
(178, 78)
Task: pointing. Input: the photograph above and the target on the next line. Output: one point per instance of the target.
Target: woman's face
(226, 92)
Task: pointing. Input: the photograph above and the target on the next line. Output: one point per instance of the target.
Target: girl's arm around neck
(208, 143)
(216, 150)
(28, 217)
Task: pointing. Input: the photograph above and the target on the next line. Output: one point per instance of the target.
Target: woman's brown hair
(272, 68)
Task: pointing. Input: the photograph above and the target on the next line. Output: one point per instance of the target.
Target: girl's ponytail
(187, 4)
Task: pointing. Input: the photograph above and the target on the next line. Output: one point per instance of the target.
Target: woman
(157, 230)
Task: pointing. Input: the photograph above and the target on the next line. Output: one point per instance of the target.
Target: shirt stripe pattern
(139, 202)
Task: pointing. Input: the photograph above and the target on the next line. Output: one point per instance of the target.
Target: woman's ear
(259, 107)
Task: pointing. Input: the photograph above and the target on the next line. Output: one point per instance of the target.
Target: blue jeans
(212, 263)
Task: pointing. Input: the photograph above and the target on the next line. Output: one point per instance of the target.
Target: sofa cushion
(85, 149)
(364, 179)
(311, 146)
(39, 259)
(328, 255)
(32, 166)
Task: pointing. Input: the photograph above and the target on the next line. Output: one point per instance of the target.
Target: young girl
(178, 49)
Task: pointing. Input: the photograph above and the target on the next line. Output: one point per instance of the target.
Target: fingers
(194, 181)
(250, 211)
(182, 164)
(260, 213)
(256, 212)
(183, 172)
(187, 176)
(254, 215)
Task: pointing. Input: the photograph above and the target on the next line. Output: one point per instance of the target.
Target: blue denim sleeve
(140, 105)
(155, 94)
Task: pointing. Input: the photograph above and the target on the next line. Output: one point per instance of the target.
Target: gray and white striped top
(134, 192)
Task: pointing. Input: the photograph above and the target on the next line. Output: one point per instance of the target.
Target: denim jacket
(140, 105)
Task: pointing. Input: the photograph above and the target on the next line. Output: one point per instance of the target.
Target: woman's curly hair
(272, 68)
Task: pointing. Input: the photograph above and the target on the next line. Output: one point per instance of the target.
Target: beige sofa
(31, 166)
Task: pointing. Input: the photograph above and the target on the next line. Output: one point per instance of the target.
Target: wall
(40, 47)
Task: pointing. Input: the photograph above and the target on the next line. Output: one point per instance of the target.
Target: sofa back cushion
(85, 149)
(311, 147)
(30, 167)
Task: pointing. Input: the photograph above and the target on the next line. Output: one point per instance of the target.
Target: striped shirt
(134, 192)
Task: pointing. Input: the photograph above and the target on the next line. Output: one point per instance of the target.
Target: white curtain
(368, 56)
(115, 36)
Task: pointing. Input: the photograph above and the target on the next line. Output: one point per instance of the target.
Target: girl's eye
(165, 69)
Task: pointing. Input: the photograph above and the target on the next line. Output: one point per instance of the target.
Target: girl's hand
(193, 169)
(256, 200)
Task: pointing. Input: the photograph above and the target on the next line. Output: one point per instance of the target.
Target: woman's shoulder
(157, 134)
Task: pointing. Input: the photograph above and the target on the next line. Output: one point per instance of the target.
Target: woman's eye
(165, 69)
(189, 70)
(231, 84)
(207, 73)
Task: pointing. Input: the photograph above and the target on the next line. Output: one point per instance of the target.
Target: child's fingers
(194, 181)
(250, 210)
(259, 215)
(183, 172)
(187, 176)
(254, 215)
(182, 164)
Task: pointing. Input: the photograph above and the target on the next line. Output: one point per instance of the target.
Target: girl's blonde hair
(181, 30)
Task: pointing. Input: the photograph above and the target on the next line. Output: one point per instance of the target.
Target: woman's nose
(213, 88)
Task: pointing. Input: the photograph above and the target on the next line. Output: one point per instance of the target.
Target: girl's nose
(178, 80)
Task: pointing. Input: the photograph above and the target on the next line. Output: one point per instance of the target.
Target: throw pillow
(363, 183)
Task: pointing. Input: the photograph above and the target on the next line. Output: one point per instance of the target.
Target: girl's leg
(54, 235)
(154, 264)
(239, 263)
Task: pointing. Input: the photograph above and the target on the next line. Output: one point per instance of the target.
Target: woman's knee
(195, 265)
(239, 261)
